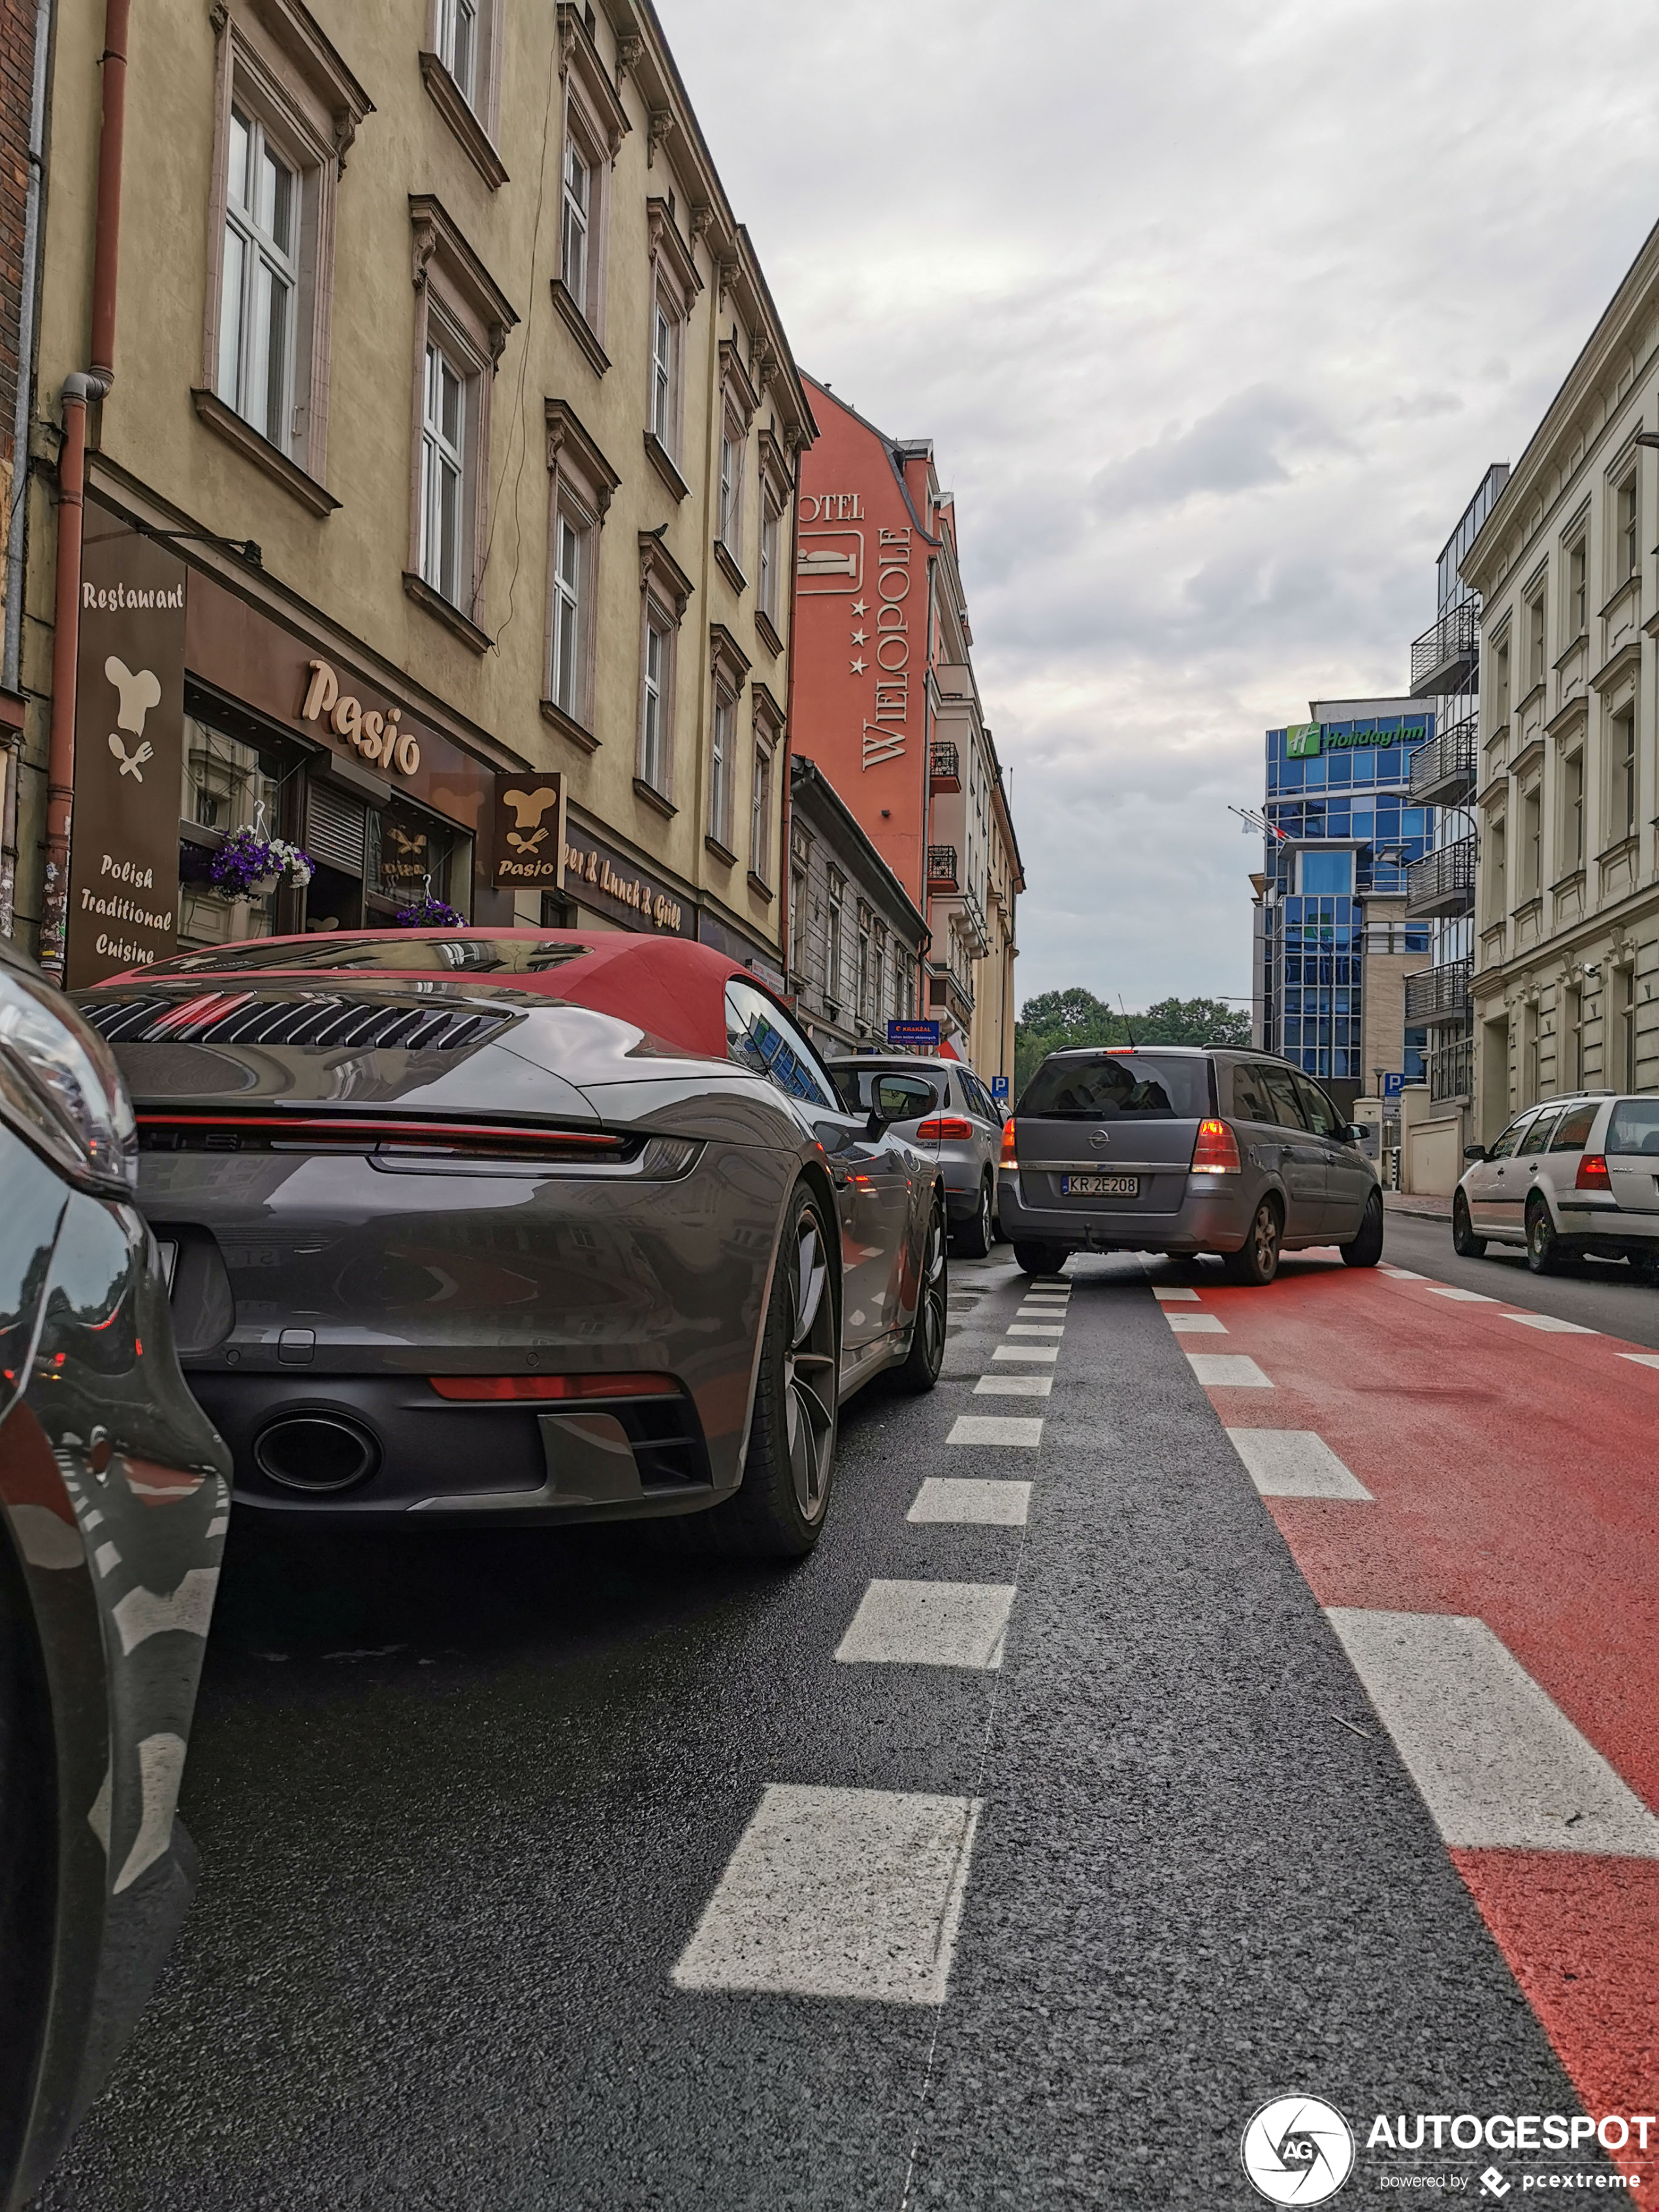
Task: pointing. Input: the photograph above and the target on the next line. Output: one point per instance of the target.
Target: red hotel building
(886, 704)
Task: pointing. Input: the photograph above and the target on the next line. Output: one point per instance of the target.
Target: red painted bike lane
(1514, 1479)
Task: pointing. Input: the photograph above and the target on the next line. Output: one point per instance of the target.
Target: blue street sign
(999, 1086)
(920, 1037)
(1393, 1085)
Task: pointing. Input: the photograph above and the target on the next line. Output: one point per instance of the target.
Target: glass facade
(1353, 792)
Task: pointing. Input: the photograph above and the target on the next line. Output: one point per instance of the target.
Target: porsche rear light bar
(945, 1125)
(1215, 1150)
(403, 1134)
(496, 1389)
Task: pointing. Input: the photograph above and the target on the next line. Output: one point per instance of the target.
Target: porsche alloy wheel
(809, 1365)
(926, 1354)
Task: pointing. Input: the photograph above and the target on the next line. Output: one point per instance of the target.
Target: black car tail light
(498, 1389)
(401, 1138)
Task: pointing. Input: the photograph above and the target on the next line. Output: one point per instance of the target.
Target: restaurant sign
(529, 830)
(611, 886)
(129, 754)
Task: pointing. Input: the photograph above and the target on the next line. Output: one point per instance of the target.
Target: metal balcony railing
(941, 867)
(1444, 659)
(944, 767)
(1441, 883)
(1444, 769)
(1439, 995)
(1451, 1069)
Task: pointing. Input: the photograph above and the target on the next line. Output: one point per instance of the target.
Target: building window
(864, 966)
(582, 482)
(445, 486)
(259, 286)
(675, 284)
(730, 516)
(1578, 589)
(665, 358)
(1497, 867)
(1624, 1027)
(655, 704)
(796, 919)
(570, 586)
(1624, 774)
(770, 525)
(832, 943)
(719, 767)
(1531, 819)
(578, 195)
(1572, 811)
(1570, 1073)
(1500, 683)
(1627, 552)
(760, 814)
(457, 45)
(1535, 643)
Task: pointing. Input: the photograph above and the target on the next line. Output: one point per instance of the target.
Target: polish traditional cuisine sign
(129, 753)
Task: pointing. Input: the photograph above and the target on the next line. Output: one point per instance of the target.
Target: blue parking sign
(999, 1086)
(1393, 1084)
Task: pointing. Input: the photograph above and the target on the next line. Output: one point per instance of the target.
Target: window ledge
(1618, 850)
(721, 852)
(457, 111)
(662, 461)
(728, 567)
(1530, 697)
(760, 889)
(1532, 905)
(1632, 583)
(569, 726)
(766, 633)
(230, 426)
(652, 797)
(579, 326)
(445, 611)
(1573, 881)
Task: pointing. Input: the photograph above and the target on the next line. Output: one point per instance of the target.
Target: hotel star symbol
(861, 636)
(861, 606)
(858, 667)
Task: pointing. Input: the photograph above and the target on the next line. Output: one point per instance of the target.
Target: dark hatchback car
(1184, 1150)
(112, 1515)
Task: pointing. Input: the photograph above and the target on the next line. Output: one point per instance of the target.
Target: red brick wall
(17, 20)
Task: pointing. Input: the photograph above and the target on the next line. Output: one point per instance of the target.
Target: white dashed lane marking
(1026, 1351)
(1499, 1765)
(1035, 1329)
(1013, 1386)
(1405, 1274)
(1228, 1368)
(839, 1893)
(1294, 1463)
(1198, 1324)
(1642, 1358)
(929, 1624)
(1174, 1298)
(998, 1505)
(1024, 1430)
(1549, 1322)
(1463, 1297)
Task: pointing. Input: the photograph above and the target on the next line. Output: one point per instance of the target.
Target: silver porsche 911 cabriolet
(522, 1225)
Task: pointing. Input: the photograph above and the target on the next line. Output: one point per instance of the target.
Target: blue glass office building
(1337, 794)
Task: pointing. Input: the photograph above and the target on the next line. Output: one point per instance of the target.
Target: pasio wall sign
(129, 754)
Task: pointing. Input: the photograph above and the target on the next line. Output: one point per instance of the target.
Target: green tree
(1056, 1020)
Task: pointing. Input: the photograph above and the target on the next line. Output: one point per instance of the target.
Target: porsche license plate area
(1100, 1186)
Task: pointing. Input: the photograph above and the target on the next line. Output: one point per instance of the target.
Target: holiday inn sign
(1307, 740)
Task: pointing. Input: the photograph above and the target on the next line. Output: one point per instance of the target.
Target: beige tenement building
(1567, 888)
(440, 450)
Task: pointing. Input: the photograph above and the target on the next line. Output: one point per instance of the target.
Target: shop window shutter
(336, 827)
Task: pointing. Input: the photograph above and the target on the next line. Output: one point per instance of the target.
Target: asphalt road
(463, 1802)
(1600, 1293)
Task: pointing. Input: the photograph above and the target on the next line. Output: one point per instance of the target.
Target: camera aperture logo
(1296, 2150)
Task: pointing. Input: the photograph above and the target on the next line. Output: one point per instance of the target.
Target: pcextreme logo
(1296, 2150)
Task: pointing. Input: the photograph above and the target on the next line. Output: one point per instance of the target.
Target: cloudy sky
(1216, 314)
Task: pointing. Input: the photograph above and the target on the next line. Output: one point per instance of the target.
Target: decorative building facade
(1333, 941)
(440, 443)
(1565, 981)
(856, 941)
(887, 705)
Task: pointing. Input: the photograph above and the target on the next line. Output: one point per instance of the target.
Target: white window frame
(665, 329)
(576, 204)
(722, 746)
(769, 554)
(442, 457)
(580, 485)
(759, 811)
(461, 31)
(656, 750)
(571, 587)
(733, 444)
(675, 284)
(267, 267)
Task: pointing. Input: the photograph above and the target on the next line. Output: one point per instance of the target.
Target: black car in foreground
(523, 1226)
(114, 1502)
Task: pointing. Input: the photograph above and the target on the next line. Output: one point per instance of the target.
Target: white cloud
(1216, 315)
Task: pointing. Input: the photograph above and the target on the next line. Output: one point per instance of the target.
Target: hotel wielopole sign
(129, 753)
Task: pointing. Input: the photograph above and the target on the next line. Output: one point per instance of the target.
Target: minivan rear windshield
(1117, 1086)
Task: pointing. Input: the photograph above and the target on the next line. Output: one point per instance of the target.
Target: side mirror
(897, 1099)
(1357, 1133)
(1474, 1151)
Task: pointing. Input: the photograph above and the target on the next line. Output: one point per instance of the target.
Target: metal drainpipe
(79, 391)
(786, 789)
(11, 671)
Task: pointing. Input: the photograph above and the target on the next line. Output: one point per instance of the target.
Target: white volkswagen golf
(1574, 1176)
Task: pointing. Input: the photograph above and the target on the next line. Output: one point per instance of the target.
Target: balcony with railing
(944, 767)
(1441, 883)
(1438, 995)
(1445, 657)
(1444, 769)
(1450, 1069)
(942, 868)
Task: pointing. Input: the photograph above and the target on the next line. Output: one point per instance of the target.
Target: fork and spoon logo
(138, 692)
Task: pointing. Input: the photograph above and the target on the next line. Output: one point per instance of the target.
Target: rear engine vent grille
(320, 1021)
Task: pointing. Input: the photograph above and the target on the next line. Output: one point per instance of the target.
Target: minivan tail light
(945, 1125)
(1593, 1173)
(1215, 1150)
(1008, 1159)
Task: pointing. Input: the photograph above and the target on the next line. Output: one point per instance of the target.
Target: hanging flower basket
(429, 913)
(249, 865)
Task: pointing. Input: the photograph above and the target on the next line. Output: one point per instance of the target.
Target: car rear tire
(28, 1855)
(1465, 1243)
(1256, 1260)
(1040, 1258)
(973, 1239)
(1544, 1252)
(780, 1508)
(1366, 1248)
(920, 1370)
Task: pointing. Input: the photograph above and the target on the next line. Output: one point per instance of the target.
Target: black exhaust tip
(316, 1451)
